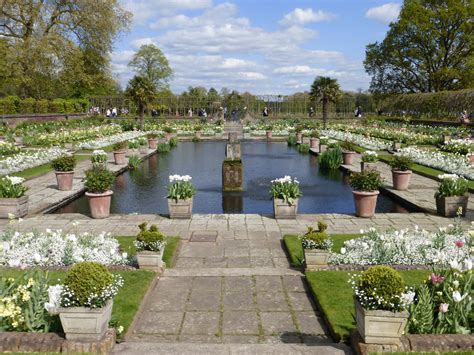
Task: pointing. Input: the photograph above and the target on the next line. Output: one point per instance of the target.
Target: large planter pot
(401, 179)
(99, 204)
(314, 143)
(180, 208)
(168, 136)
(348, 158)
(380, 327)
(299, 137)
(64, 179)
(13, 207)
(152, 143)
(198, 135)
(119, 157)
(448, 206)
(365, 203)
(316, 259)
(269, 134)
(283, 210)
(322, 148)
(150, 260)
(84, 323)
(367, 166)
(471, 159)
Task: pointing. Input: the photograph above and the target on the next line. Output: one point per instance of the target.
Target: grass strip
(43, 169)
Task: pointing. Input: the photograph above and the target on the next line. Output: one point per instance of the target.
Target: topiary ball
(86, 278)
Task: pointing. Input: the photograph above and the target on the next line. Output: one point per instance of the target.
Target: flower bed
(29, 159)
(106, 141)
(365, 142)
(7, 149)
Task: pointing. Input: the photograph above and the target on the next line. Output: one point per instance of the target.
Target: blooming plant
(286, 189)
(367, 180)
(401, 162)
(150, 239)
(180, 187)
(12, 187)
(451, 185)
(316, 239)
(99, 157)
(98, 179)
(369, 156)
(64, 163)
(29, 159)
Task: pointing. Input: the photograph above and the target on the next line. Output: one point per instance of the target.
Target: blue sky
(261, 46)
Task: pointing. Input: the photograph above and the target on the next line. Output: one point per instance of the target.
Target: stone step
(221, 349)
(256, 271)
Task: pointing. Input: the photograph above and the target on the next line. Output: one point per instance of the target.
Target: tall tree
(151, 63)
(430, 48)
(142, 91)
(40, 35)
(326, 90)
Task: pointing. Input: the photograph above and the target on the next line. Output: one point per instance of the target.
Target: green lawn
(43, 169)
(334, 295)
(295, 250)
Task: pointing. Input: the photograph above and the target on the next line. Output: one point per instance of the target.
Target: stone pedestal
(232, 151)
(232, 175)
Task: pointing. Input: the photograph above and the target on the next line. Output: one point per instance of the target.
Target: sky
(260, 46)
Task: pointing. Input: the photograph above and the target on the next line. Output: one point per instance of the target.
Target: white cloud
(385, 13)
(137, 43)
(302, 16)
(250, 75)
(295, 69)
(232, 63)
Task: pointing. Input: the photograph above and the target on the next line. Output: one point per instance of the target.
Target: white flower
(457, 296)
(54, 293)
(343, 250)
(408, 297)
(468, 264)
(37, 258)
(456, 283)
(15, 180)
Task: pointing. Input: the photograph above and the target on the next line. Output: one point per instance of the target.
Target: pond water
(144, 190)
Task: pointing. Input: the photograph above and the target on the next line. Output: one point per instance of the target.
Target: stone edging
(54, 343)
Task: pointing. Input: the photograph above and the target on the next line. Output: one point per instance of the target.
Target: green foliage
(303, 148)
(383, 283)
(12, 187)
(98, 179)
(120, 146)
(195, 139)
(152, 136)
(64, 163)
(151, 63)
(181, 190)
(133, 162)
(367, 180)
(331, 159)
(291, 140)
(173, 142)
(326, 90)
(286, 189)
(27, 105)
(347, 146)
(150, 239)
(314, 134)
(316, 239)
(163, 148)
(369, 156)
(322, 226)
(57, 106)
(42, 106)
(9, 105)
(421, 312)
(141, 91)
(401, 163)
(452, 185)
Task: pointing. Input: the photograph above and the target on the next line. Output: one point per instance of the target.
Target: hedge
(443, 104)
(11, 105)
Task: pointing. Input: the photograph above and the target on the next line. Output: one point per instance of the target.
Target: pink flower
(436, 279)
(459, 243)
(443, 307)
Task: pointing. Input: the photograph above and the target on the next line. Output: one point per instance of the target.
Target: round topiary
(86, 278)
(384, 284)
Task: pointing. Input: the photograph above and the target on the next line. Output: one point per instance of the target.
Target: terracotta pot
(168, 136)
(99, 204)
(316, 259)
(365, 203)
(64, 179)
(380, 327)
(368, 166)
(322, 148)
(314, 143)
(401, 179)
(84, 323)
(448, 206)
(471, 159)
(299, 137)
(16, 207)
(198, 134)
(348, 158)
(181, 208)
(283, 210)
(152, 143)
(269, 134)
(119, 157)
(150, 260)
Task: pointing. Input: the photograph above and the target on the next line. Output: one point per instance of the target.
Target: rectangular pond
(144, 190)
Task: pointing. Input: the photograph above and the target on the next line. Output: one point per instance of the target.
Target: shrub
(173, 142)
(163, 148)
(269, 128)
(64, 163)
(367, 180)
(369, 156)
(133, 144)
(180, 187)
(286, 189)
(152, 136)
(99, 157)
(451, 185)
(120, 146)
(133, 162)
(330, 159)
(57, 106)
(12, 187)
(347, 146)
(314, 134)
(98, 179)
(27, 105)
(168, 129)
(197, 128)
(149, 239)
(42, 106)
(291, 140)
(142, 141)
(69, 106)
(195, 139)
(401, 163)
(303, 148)
(316, 239)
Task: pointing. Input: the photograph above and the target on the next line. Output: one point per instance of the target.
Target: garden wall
(14, 120)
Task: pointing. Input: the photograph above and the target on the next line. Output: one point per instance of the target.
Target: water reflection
(232, 202)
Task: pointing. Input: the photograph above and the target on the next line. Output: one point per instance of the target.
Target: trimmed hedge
(11, 105)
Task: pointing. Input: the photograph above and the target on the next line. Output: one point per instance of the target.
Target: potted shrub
(99, 158)
(13, 201)
(86, 301)
(169, 132)
(150, 245)
(269, 131)
(152, 140)
(299, 133)
(452, 195)
(366, 186)
(120, 149)
(396, 146)
(401, 172)
(180, 196)
(143, 146)
(314, 140)
(323, 144)
(197, 131)
(381, 300)
(348, 152)
(368, 160)
(316, 246)
(64, 169)
(285, 192)
(98, 182)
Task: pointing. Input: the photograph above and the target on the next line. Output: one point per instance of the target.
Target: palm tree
(141, 90)
(326, 90)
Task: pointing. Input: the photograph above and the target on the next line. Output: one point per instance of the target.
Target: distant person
(108, 113)
(358, 112)
(265, 111)
(311, 112)
(463, 117)
(114, 112)
(190, 113)
(225, 112)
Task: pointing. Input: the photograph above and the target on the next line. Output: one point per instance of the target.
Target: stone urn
(367, 166)
(269, 134)
(99, 204)
(365, 202)
(396, 146)
(316, 259)
(283, 210)
(448, 206)
(16, 207)
(198, 134)
(119, 157)
(152, 143)
(84, 323)
(348, 157)
(150, 260)
(180, 209)
(380, 327)
(322, 148)
(64, 179)
(299, 137)
(314, 143)
(401, 179)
